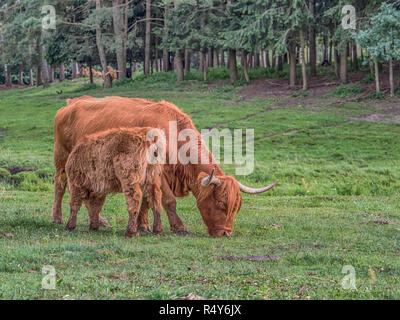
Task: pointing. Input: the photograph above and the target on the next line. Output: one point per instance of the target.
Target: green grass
(346, 91)
(337, 180)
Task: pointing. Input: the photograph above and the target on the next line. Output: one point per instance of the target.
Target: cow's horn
(210, 179)
(253, 190)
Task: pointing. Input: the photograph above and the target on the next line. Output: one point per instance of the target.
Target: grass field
(337, 204)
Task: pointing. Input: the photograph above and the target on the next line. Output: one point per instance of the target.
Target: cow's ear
(208, 179)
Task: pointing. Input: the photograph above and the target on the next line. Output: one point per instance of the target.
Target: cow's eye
(221, 205)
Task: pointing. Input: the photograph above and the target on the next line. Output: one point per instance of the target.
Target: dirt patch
(14, 86)
(7, 235)
(378, 117)
(252, 258)
(191, 296)
(15, 170)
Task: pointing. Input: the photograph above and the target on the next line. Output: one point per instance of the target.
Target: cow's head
(220, 199)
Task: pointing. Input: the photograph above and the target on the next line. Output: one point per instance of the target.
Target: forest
(75, 38)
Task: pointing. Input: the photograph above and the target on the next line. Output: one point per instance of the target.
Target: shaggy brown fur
(218, 204)
(111, 161)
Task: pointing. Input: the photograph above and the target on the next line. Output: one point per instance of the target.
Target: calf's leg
(143, 218)
(94, 205)
(76, 198)
(132, 193)
(153, 198)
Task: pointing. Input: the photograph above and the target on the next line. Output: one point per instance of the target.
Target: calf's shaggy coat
(112, 161)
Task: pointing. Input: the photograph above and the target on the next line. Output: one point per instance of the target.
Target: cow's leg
(60, 182)
(94, 205)
(132, 193)
(143, 218)
(169, 204)
(76, 198)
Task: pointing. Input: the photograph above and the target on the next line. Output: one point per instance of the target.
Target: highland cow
(116, 160)
(217, 194)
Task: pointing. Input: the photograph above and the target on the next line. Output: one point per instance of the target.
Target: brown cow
(110, 73)
(218, 197)
(112, 161)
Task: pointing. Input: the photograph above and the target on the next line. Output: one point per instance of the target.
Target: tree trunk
(90, 73)
(336, 62)
(222, 60)
(102, 55)
(204, 64)
(147, 38)
(7, 77)
(45, 69)
(343, 65)
(232, 66)
(201, 61)
(292, 66)
(325, 48)
(280, 63)
(210, 58)
(119, 32)
(21, 76)
(39, 75)
(31, 82)
(377, 82)
(256, 60)
(303, 60)
(246, 74)
(215, 58)
(273, 59)
(268, 63)
(51, 74)
(313, 47)
(391, 81)
(187, 60)
(165, 51)
(355, 57)
(179, 65)
(74, 70)
(62, 71)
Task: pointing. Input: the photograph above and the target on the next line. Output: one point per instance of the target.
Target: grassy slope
(351, 175)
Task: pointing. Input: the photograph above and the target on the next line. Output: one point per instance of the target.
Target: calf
(116, 160)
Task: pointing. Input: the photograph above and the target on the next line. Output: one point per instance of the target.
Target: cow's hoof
(129, 235)
(57, 221)
(144, 229)
(184, 233)
(70, 227)
(93, 228)
(157, 232)
(104, 223)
